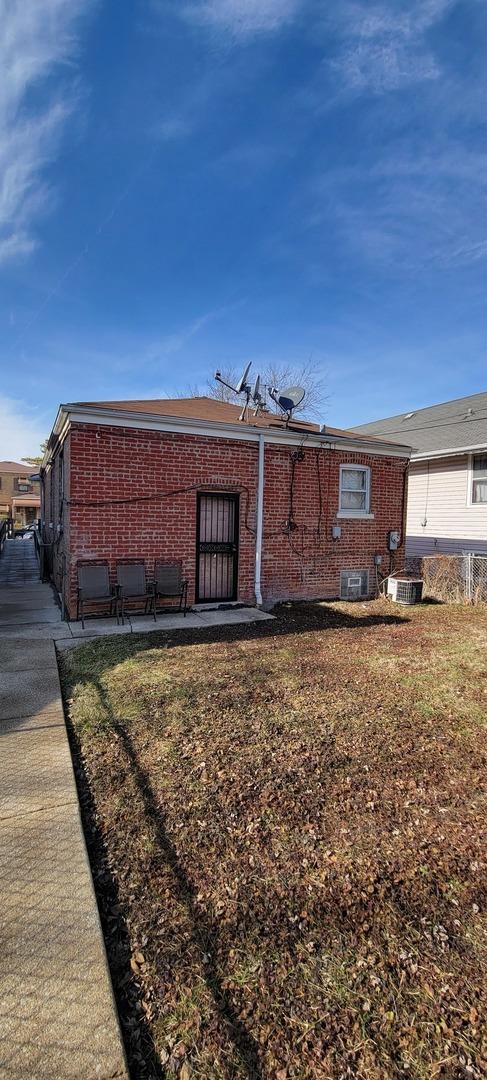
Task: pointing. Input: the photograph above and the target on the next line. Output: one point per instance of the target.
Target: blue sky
(188, 184)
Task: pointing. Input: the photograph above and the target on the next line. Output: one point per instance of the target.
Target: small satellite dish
(291, 398)
(288, 400)
(243, 381)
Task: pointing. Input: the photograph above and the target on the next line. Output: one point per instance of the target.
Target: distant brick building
(19, 495)
(180, 479)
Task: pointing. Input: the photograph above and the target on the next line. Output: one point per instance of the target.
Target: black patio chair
(170, 583)
(94, 588)
(133, 585)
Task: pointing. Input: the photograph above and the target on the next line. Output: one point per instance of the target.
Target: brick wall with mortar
(113, 465)
(55, 514)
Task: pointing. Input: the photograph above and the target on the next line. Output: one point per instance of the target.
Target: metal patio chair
(94, 588)
(169, 583)
(133, 585)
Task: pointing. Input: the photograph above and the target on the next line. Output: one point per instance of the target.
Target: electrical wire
(159, 496)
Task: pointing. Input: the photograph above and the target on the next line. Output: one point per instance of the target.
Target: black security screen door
(217, 548)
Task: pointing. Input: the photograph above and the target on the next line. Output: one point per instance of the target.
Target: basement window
(354, 491)
(354, 584)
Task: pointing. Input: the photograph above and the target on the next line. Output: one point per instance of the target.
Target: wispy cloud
(410, 210)
(412, 196)
(36, 41)
(22, 429)
(381, 49)
(174, 343)
(172, 128)
(242, 19)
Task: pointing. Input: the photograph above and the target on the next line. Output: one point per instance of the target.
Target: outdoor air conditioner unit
(405, 589)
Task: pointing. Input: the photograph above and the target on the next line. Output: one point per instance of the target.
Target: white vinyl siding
(478, 479)
(441, 516)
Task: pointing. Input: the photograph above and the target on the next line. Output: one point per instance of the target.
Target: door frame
(232, 496)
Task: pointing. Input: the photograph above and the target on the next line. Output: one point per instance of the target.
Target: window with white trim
(479, 478)
(354, 490)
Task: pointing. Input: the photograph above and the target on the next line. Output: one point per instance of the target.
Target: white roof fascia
(458, 451)
(72, 413)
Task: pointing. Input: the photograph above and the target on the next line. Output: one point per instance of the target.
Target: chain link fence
(454, 579)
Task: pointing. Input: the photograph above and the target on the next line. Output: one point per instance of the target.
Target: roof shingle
(448, 426)
(213, 410)
(14, 467)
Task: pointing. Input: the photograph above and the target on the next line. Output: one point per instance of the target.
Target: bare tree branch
(307, 375)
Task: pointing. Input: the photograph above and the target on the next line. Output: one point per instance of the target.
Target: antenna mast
(252, 393)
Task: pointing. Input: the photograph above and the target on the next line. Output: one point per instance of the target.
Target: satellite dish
(288, 400)
(243, 387)
(291, 398)
(255, 392)
(243, 381)
(257, 397)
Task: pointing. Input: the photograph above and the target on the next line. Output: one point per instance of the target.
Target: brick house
(257, 511)
(19, 495)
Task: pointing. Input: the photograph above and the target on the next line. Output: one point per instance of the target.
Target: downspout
(259, 522)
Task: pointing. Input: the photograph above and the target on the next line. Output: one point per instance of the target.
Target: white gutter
(427, 455)
(73, 413)
(260, 522)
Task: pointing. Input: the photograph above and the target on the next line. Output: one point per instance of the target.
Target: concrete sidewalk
(57, 1014)
(58, 1019)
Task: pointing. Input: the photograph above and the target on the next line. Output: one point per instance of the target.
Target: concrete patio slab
(143, 625)
(98, 628)
(233, 617)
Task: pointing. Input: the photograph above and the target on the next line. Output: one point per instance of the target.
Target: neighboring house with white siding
(447, 488)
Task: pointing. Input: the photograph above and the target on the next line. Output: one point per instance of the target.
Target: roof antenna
(252, 393)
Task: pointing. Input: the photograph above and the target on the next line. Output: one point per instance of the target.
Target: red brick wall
(110, 464)
(306, 561)
(55, 514)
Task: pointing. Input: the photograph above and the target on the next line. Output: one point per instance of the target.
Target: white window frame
(470, 479)
(346, 512)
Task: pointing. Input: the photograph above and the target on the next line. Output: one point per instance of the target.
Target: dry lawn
(286, 826)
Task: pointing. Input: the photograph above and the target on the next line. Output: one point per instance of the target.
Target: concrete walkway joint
(58, 1019)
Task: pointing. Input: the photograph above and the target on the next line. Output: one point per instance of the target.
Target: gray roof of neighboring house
(449, 426)
(14, 467)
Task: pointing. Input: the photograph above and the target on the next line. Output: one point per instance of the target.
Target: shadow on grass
(142, 1056)
(205, 934)
(291, 619)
